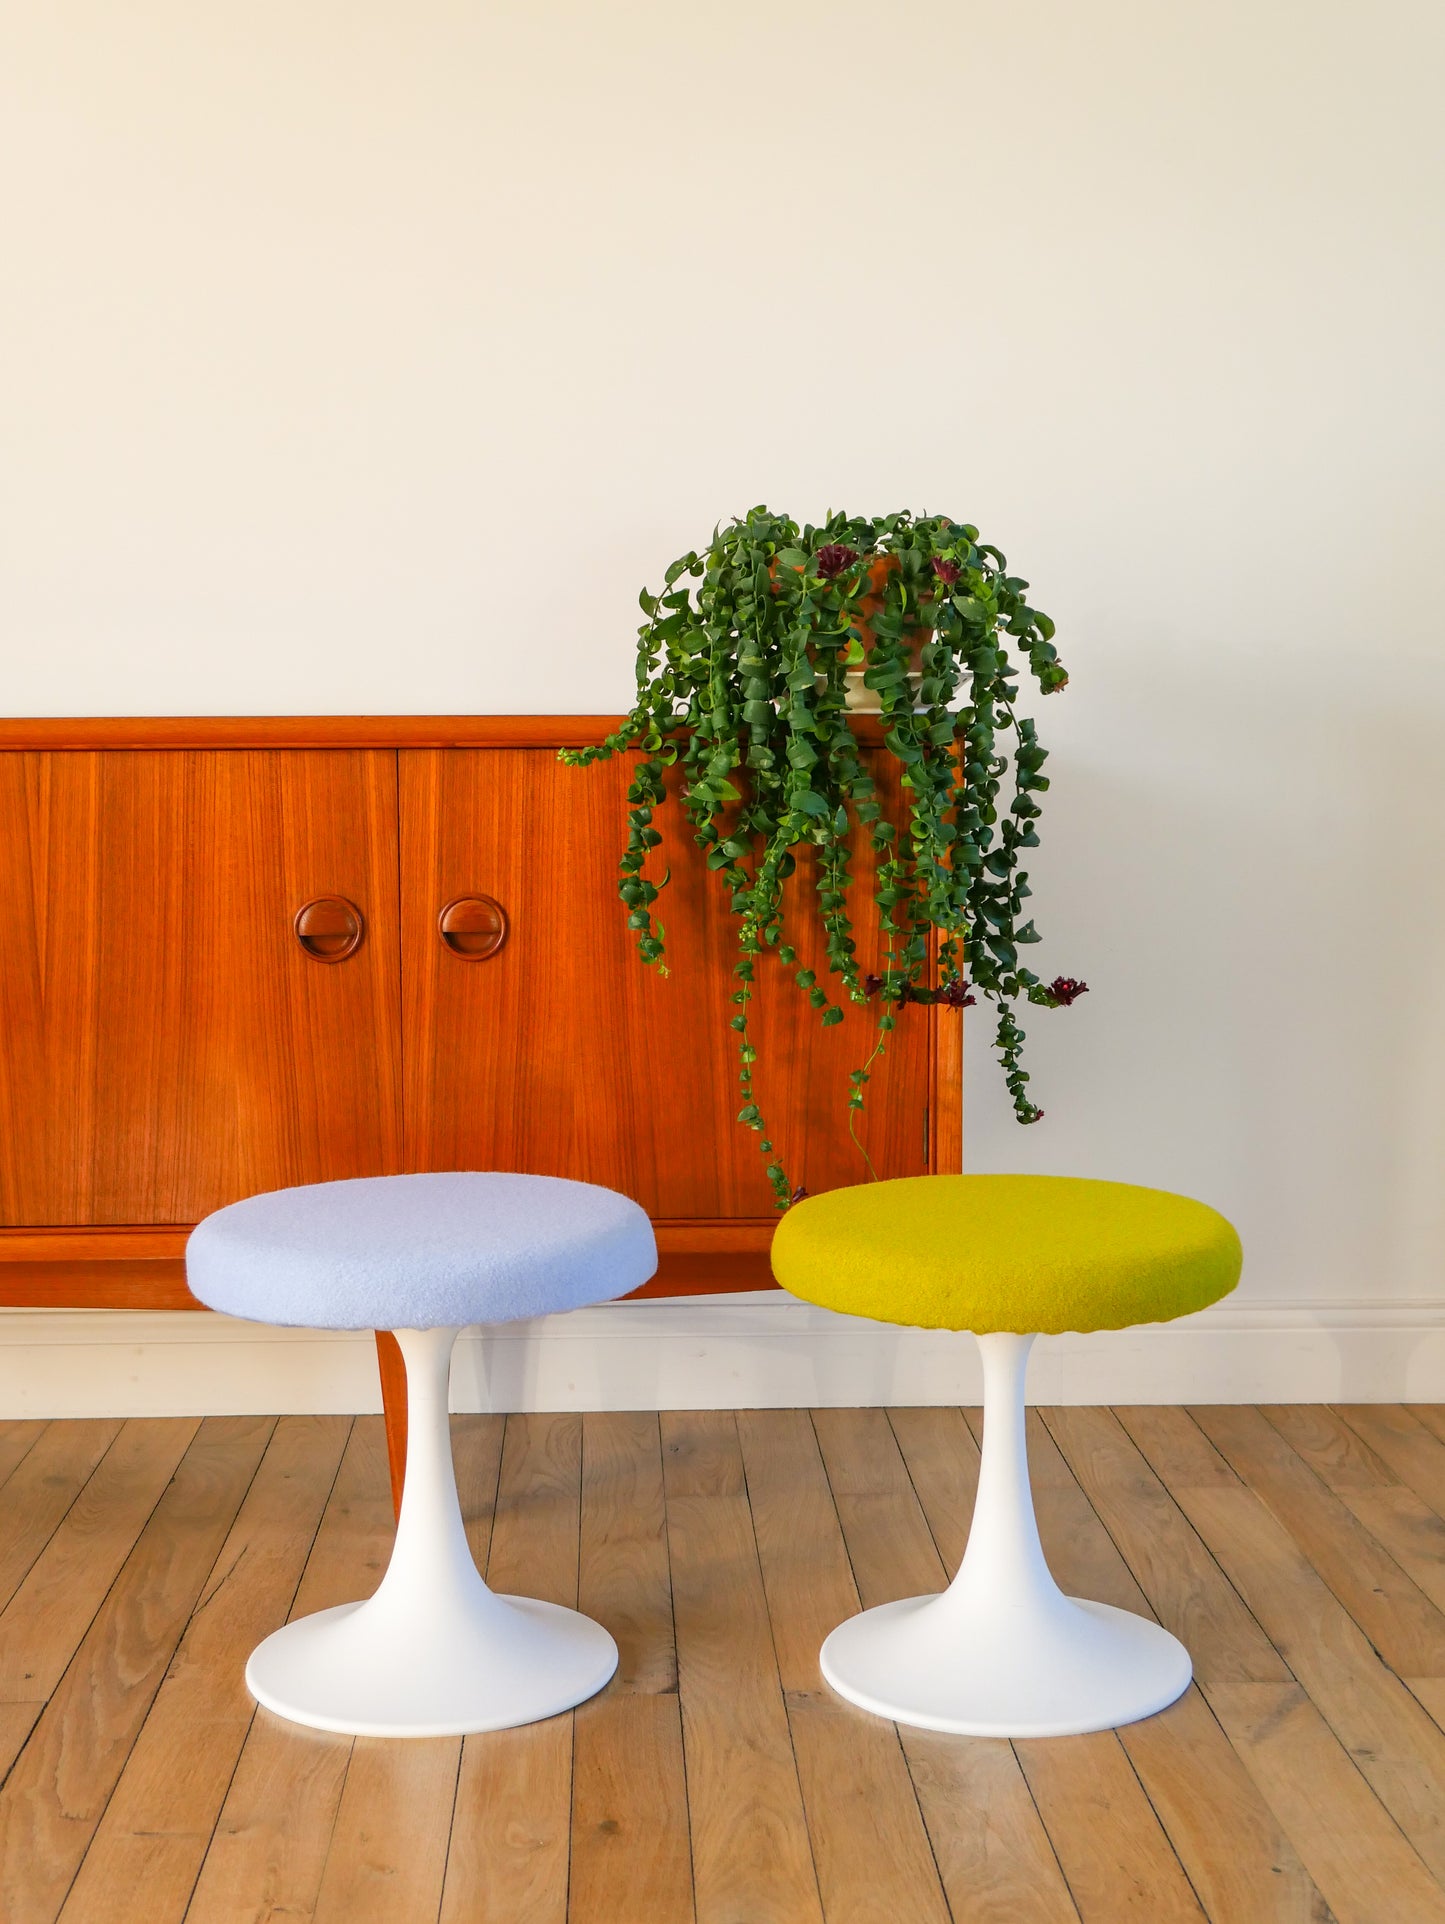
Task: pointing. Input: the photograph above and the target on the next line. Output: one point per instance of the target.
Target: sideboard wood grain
(168, 1045)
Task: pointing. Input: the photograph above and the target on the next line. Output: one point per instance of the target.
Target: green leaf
(740, 668)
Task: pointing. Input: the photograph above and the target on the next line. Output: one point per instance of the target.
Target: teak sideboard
(241, 954)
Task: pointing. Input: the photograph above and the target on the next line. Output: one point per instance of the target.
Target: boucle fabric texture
(420, 1252)
(1023, 1253)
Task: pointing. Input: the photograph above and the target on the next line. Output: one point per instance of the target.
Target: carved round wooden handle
(473, 927)
(330, 928)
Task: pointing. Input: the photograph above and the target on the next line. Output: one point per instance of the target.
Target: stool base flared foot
(436, 1652)
(1003, 1652)
(1088, 1667)
(365, 1674)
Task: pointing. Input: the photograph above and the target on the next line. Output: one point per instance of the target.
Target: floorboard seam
(251, 1724)
(1338, 1410)
(180, 1638)
(451, 1832)
(576, 1604)
(24, 1453)
(79, 1493)
(1163, 1827)
(676, 1665)
(1407, 1581)
(777, 1667)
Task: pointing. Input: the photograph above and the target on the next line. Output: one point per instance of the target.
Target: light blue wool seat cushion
(420, 1252)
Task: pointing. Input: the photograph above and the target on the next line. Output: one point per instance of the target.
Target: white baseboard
(760, 1350)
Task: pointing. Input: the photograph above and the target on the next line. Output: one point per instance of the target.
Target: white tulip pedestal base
(434, 1652)
(1003, 1652)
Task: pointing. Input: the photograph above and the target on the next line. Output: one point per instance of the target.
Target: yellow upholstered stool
(1003, 1652)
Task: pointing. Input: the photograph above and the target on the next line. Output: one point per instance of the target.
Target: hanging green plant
(749, 665)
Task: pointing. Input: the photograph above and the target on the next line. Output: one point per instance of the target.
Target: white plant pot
(861, 700)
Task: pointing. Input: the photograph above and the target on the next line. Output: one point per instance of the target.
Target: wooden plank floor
(1299, 1551)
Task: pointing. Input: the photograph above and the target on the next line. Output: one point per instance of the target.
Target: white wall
(369, 357)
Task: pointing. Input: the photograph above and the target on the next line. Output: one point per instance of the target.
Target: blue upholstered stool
(434, 1651)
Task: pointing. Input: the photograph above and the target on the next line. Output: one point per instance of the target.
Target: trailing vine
(744, 668)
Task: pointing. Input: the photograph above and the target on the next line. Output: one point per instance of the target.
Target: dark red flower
(947, 571)
(872, 984)
(799, 1194)
(955, 994)
(1064, 989)
(834, 559)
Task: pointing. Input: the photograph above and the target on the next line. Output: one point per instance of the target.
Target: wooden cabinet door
(561, 1054)
(168, 1046)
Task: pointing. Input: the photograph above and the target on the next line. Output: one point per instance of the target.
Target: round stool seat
(1028, 1254)
(420, 1252)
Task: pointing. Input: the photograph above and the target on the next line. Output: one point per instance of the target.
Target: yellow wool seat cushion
(1021, 1253)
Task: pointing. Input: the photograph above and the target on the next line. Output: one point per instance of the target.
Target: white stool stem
(434, 1651)
(1003, 1652)
(431, 1546)
(1004, 1552)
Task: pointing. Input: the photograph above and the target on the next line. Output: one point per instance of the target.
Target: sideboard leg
(393, 1403)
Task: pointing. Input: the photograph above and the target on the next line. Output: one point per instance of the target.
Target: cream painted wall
(370, 356)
